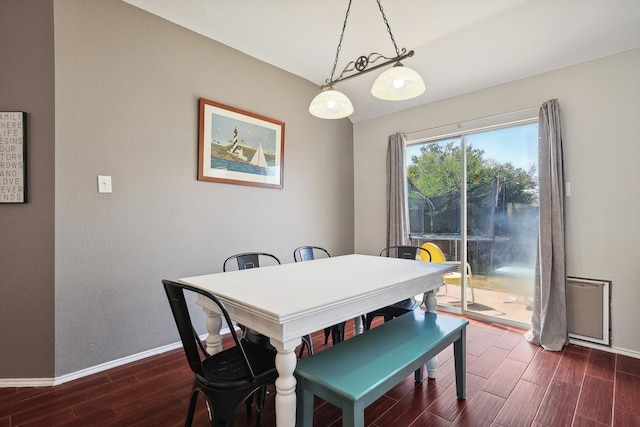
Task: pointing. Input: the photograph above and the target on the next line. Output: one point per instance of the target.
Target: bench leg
(460, 360)
(418, 375)
(304, 405)
(352, 415)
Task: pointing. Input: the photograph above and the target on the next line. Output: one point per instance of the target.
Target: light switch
(567, 189)
(104, 184)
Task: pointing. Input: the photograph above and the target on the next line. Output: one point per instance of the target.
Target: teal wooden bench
(356, 372)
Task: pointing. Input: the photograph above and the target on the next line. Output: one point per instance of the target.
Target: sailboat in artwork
(259, 161)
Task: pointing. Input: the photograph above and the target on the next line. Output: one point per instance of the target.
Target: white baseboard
(48, 382)
(26, 382)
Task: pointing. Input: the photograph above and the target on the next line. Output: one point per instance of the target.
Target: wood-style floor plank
(429, 419)
(571, 368)
(580, 421)
(601, 365)
(505, 378)
(628, 365)
(448, 406)
(480, 411)
(624, 418)
(558, 407)
(523, 352)
(627, 393)
(488, 362)
(520, 408)
(509, 340)
(542, 367)
(510, 383)
(413, 404)
(596, 400)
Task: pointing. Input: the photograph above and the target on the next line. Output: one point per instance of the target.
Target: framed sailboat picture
(239, 147)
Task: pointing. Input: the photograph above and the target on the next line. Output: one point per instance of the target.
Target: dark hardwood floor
(509, 383)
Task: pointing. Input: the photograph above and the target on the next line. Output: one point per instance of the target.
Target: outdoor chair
(453, 278)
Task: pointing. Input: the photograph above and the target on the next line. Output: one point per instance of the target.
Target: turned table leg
(213, 324)
(430, 303)
(286, 383)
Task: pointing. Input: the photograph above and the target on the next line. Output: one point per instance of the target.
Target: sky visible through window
(518, 145)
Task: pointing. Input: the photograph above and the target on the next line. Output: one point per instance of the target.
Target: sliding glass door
(480, 210)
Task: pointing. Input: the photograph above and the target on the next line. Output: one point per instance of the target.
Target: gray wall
(127, 85)
(600, 106)
(27, 230)
(127, 89)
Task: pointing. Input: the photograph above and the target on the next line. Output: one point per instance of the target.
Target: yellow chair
(453, 278)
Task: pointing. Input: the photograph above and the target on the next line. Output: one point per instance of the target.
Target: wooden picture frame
(13, 157)
(239, 147)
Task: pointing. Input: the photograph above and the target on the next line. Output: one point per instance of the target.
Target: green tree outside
(436, 171)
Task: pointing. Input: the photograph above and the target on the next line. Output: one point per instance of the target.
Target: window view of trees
(435, 177)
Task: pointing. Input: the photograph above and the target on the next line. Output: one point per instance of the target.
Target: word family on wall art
(13, 150)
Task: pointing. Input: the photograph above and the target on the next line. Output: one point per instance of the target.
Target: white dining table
(286, 302)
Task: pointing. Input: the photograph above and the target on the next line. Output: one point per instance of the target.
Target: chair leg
(261, 395)
(327, 332)
(337, 333)
(192, 408)
(446, 291)
(307, 338)
(367, 322)
(226, 405)
(306, 342)
(248, 402)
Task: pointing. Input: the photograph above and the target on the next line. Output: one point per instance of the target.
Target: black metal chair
(248, 260)
(309, 253)
(409, 304)
(227, 378)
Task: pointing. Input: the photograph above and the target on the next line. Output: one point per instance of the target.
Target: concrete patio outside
(491, 297)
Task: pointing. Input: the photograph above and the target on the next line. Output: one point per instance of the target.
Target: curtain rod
(473, 120)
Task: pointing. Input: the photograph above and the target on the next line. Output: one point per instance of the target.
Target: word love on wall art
(13, 163)
(239, 147)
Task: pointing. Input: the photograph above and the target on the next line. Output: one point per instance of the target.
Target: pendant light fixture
(395, 84)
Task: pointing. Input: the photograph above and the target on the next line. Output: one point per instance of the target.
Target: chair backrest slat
(406, 252)
(248, 260)
(308, 253)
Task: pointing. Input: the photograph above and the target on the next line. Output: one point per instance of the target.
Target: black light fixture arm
(360, 65)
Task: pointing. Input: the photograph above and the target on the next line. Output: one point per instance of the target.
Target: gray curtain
(397, 215)
(549, 316)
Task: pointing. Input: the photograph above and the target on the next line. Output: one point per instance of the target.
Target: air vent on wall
(588, 309)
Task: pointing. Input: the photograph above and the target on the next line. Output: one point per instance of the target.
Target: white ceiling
(460, 45)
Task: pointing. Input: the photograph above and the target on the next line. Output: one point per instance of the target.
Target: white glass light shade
(398, 83)
(331, 104)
